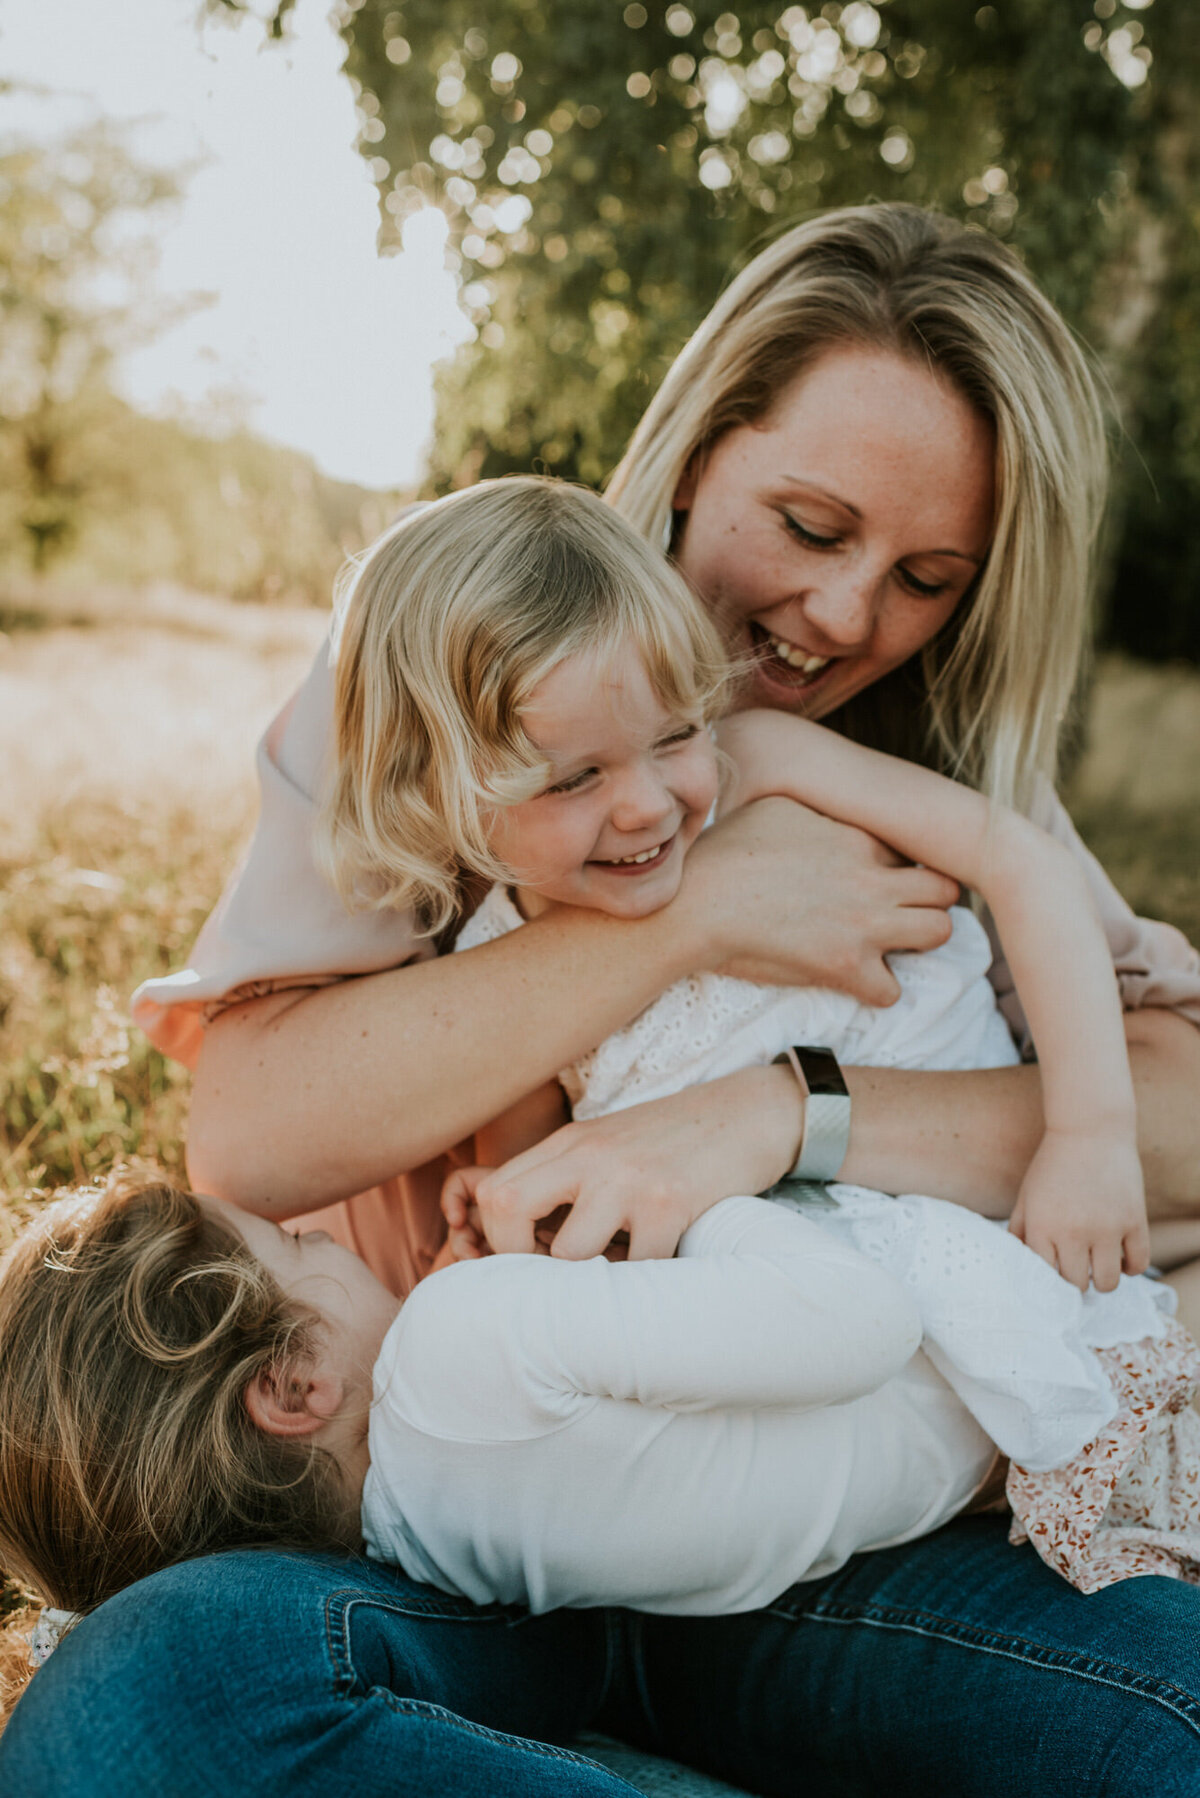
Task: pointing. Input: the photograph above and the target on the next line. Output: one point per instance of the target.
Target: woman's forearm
(654, 1168)
(305, 1097)
(1164, 1052)
(970, 1136)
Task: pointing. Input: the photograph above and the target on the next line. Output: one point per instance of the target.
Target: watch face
(822, 1075)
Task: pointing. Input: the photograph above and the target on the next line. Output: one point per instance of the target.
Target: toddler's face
(630, 790)
(311, 1267)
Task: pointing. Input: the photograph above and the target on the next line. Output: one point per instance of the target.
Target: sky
(317, 342)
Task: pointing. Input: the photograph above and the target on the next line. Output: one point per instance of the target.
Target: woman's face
(835, 537)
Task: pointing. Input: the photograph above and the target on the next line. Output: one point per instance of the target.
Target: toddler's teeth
(626, 861)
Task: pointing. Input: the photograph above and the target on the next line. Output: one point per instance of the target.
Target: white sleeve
(761, 1308)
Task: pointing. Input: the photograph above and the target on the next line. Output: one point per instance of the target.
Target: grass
(103, 900)
(127, 728)
(1135, 795)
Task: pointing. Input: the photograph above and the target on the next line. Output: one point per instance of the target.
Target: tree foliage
(72, 267)
(604, 166)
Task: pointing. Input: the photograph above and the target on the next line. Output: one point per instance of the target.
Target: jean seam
(1182, 1704)
(340, 1605)
(438, 1713)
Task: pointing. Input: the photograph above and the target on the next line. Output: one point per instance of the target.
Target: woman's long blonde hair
(448, 624)
(991, 692)
(131, 1323)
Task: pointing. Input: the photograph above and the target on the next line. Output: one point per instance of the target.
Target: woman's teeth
(797, 658)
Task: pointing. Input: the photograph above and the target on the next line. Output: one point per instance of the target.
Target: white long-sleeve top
(688, 1436)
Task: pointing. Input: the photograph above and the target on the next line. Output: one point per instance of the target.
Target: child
(522, 691)
(689, 1435)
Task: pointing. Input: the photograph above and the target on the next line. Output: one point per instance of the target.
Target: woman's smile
(787, 667)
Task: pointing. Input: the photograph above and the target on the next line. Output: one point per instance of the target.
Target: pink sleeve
(1155, 963)
(278, 923)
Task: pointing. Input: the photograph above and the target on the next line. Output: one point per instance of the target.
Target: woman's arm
(1081, 1201)
(968, 1137)
(303, 1097)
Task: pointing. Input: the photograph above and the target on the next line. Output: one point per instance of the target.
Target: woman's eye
(926, 589)
(812, 538)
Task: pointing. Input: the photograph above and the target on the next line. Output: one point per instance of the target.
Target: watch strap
(826, 1136)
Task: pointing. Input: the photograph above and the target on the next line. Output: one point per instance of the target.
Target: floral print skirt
(1128, 1503)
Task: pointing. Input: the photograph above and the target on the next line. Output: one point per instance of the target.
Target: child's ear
(285, 1402)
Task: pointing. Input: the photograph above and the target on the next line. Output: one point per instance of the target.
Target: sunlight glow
(308, 336)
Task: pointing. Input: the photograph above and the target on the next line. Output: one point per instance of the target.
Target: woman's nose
(843, 605)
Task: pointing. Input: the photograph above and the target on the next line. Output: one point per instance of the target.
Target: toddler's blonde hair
(449, 623)
(131, 1323)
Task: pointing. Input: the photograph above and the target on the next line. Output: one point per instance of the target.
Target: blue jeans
(955, 1664)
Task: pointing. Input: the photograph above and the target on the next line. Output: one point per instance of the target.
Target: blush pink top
(280, 924)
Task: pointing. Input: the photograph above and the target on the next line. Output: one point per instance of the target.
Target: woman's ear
(287, 1402)
(685, 490)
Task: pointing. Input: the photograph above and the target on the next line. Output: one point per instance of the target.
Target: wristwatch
(826, 1112)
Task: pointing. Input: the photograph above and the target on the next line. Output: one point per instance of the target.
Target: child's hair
(131, 1323)
(450, 622)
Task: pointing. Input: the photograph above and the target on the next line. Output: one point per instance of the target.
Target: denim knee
(272, 1672)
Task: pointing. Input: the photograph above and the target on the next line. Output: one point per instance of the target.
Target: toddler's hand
(465, 1240)
(1082, 1208)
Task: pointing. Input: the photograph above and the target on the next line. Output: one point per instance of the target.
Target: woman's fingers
(856, 902)
(508, 1220)
(650, 1169)
(587, 1231)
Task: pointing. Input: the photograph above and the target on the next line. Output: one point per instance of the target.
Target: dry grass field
(127, 726)
(126, 739)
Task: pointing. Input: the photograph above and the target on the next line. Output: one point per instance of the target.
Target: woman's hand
(790, 898)
(1082, 1209)
(650, 1170)
(465, 1240)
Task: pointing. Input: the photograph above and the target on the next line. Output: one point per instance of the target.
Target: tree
(72, 269)
(604, 166)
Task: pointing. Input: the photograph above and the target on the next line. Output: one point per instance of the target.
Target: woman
(973, 401)
(880, 461)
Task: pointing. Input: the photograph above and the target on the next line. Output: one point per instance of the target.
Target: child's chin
(637, 902)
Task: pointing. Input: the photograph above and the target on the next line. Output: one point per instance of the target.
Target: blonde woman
(880, 463)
